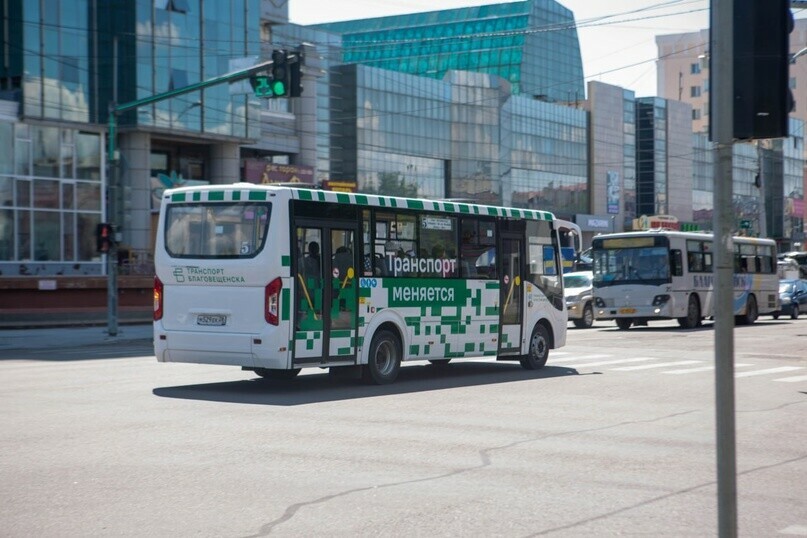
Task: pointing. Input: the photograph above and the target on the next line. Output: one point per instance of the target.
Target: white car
(577, 289)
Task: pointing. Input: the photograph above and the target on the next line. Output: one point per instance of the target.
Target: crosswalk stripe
(793, 379)
(579, 358)
(617, 361)
(702, 369)
(770, 371)
(658, 365)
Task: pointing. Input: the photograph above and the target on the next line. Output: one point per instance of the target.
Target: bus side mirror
(676, 263)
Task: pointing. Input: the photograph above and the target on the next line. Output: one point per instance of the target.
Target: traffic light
(296, 83)
(762, 96)
(281, 75)
(104, 237)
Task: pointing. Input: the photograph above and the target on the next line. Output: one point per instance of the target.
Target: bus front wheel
(538, 353)
(624, 323)
(751, 312)
(693, 317)
(385, 358)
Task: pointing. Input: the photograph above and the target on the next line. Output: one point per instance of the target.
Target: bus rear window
(216, 230)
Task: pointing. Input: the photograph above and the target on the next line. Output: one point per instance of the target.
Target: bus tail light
(272, 302)
(158, 299)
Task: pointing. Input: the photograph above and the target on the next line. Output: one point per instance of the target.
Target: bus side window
(676, 263)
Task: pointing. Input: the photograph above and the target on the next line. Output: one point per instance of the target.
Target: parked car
(577, 289)
(792, 297)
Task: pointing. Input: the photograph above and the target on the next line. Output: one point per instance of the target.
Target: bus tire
(624, 323)
(279, 375)
(693, 317)
(384, 361)
(538, 351)
(588, 318)
(751, 312)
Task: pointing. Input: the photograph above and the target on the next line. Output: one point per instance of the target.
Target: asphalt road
(616, 436)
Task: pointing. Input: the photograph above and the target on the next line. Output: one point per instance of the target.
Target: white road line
(770, 371)
(701, 369)
(659, 365)
(618, 361)
(585, 357)
(793, 379)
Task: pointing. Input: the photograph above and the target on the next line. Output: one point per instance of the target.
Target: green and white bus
(276, 279)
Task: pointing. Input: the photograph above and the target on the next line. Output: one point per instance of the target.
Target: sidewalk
(71, 337)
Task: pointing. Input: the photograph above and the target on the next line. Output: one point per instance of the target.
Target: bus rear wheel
(384, 361)
(280, 375)
(624, 323)
(538, 352)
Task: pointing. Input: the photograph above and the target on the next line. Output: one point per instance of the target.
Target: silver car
(577, 288)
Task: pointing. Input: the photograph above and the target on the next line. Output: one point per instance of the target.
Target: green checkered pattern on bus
(261, 193)
(466, 326)
(310, 339)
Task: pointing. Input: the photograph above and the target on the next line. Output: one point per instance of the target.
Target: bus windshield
(216, 230)
(636, 265)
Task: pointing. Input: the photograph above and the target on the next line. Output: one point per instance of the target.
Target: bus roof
(254, 192)
(686, 235)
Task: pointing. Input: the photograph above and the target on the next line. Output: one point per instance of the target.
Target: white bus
(275, 279)
(662, 274)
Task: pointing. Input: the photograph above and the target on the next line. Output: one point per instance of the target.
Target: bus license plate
(211, 319)
(627, 310)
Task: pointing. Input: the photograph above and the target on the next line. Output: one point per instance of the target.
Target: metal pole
(722, 117)
(112, 199)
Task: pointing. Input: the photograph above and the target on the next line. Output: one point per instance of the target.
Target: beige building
(683, 72)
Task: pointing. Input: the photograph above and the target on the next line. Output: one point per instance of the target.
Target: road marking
(618, 361)
(793, 379)
(585, 357)
(702, 369)
(659, 365)
(770, 371)
(795, 530)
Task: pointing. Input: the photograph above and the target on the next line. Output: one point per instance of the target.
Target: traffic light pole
(114, 188)
(722, 118)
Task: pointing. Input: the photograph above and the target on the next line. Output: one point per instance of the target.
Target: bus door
(511, 293)
(326, 293)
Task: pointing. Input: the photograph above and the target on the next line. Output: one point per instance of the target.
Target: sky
(617, 37)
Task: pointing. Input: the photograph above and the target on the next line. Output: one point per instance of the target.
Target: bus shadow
(319, 388)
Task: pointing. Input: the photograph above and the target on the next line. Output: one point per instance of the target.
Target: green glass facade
(533, 45)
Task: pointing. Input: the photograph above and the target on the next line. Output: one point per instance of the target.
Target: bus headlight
(660, 300)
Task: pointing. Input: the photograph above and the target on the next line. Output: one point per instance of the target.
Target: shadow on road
(319, 388)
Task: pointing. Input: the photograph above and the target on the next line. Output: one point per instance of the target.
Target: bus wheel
(536, 356)
(751, 311)
(588, 318)
(693, 317)
(624, 323)
(385, 359)
(271, 373)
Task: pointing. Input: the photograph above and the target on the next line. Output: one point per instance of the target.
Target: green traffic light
(278, 88)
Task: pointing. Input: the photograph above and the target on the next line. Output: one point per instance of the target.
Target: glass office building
(533, 45)
(462, 137)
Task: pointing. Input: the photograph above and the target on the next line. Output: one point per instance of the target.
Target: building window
(696, 113)
(695, 68)
(695, 91)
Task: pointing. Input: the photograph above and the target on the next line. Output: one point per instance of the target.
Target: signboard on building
(594, 223)
(260, 171)
(613, 191)
(655, 222)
